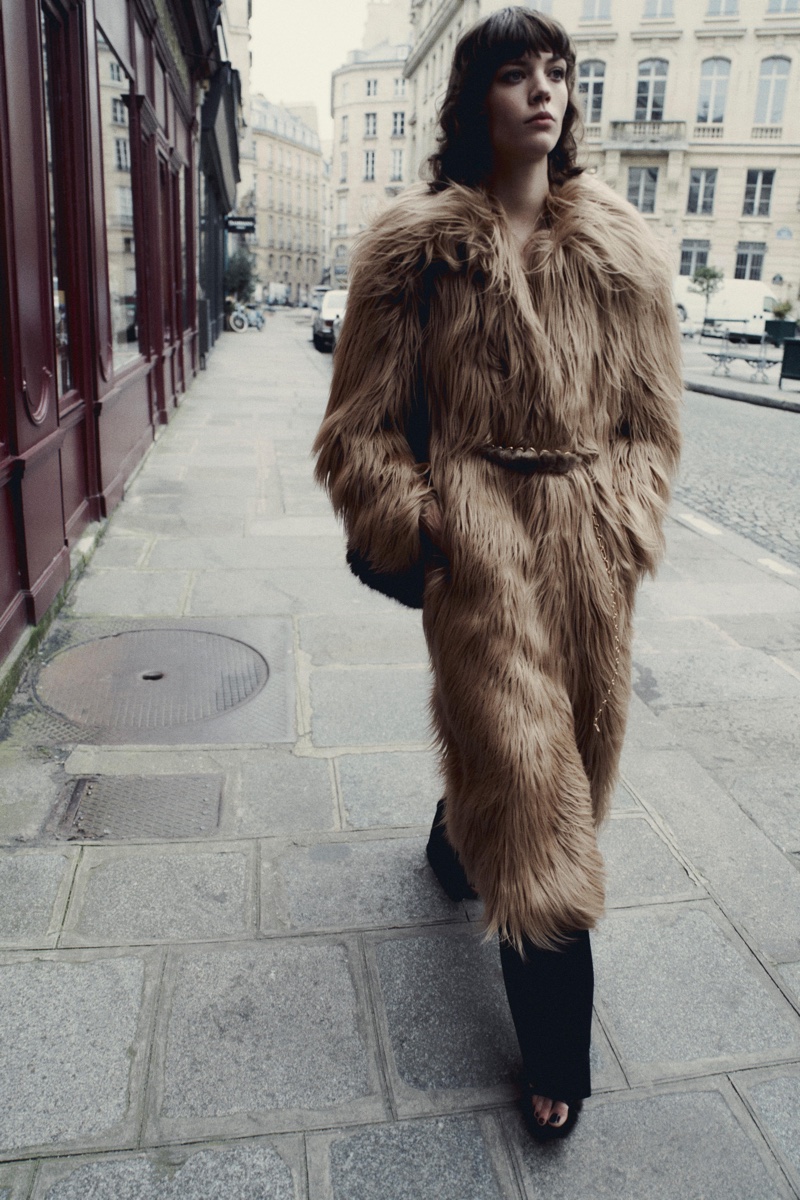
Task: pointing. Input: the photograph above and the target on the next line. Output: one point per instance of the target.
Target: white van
(738, 309)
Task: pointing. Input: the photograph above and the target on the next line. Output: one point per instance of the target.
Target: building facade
(692, 111)
(101, 194)
(370, 161)
(288, 243)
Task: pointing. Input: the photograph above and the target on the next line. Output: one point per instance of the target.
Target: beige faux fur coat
(570, 347)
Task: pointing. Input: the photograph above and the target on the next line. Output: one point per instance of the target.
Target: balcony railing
(709, 131)
(593, 131)
(772, 133)
(648, 133)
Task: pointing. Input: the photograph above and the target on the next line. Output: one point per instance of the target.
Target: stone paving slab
(729, 738)
(30, 783)
(381, 638)
(122, 552)
(685, 598)
(252, 1170)
(389, 789)
(688, 677)
(445, 1012)
(774, 1097)
(352, 885)
(140, 894)
(263, 1037)
(624, 801)
(770, 798)
(252, 553)
(34, 887)
(370, 706)
(753, 880)
(681, 996)
(641, 868)
(449, 1158)
(276, 592)
(15, 1181)
(273, 794)
(127, 593)
(764, 631)
(74, 1030)
(688, 1143)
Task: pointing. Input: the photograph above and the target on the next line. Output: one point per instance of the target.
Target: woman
(522, 308)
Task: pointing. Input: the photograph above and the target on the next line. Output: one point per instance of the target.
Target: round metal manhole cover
(151, 679)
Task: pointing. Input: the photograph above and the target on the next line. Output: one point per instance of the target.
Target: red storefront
(99, 182)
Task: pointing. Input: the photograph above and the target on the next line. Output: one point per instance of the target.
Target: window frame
(647, 174)
(656, 83)
(707, 182)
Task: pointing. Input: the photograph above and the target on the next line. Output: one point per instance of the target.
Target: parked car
(737, 310)
(316, 296)
(337, 329)
(322, 330)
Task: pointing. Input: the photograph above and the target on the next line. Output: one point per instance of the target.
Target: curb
(745, 397)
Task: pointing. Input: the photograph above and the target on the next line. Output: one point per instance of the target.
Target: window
(758, 195)
(399, 86)
(341, 215)
(772, 83)
(397, 165)
(694, 254)
(642, 188)
(398, 124)
(343, 167)
(345, 89)
(369, 165)
(723, 8)
(784, 6)
(370, 124)
(546, 7)
(596, 10)
(702, 183)
(372, 87)
(119, 113)
(344, 131)
(122, 154)
(120, 234)
(591, 76)
(714, 75)
(658, 8)
(650, 89)
(749, 260)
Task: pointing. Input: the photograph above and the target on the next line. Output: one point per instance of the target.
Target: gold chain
(615, 613)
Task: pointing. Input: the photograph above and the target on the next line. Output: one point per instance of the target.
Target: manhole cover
(151, 679)
(132, 806)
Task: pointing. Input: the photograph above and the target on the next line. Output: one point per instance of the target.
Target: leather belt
(527, 460)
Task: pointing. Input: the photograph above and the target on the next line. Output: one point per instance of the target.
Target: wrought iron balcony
(648, 133)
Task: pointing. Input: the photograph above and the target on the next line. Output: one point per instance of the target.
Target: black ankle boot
(445, 862)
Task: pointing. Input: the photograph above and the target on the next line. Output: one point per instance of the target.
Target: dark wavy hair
(464, 153)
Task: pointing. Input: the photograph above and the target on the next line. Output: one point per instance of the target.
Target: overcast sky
(297, 43)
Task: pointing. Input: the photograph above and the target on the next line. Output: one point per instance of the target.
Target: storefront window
(184, 246)
(115, 89)
(53, 110)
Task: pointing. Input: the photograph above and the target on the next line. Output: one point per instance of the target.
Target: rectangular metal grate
(135, 807)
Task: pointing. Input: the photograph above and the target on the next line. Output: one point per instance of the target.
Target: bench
(724, 358)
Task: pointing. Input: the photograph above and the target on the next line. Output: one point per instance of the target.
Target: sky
(295, 46)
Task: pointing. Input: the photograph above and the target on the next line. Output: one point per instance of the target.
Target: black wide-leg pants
(550, 992)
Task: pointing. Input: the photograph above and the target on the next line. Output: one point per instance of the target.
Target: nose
(540, 87)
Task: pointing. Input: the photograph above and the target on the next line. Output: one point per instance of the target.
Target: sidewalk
(699, 376)
(226, 970)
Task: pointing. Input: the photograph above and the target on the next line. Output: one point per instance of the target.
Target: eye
(513, 76)
(558, 73)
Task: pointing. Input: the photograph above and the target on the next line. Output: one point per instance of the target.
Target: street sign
(240, 224)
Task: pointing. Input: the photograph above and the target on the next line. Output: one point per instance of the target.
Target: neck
(522, 189)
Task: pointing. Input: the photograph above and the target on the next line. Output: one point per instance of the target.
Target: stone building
(692, 111)
(118, 163)
(288, 242)
(370, 161)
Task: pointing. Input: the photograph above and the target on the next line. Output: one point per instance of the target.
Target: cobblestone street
(741, 467)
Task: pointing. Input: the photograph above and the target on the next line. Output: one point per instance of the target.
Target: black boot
(445, 862)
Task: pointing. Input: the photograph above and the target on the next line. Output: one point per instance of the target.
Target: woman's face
(525, 106)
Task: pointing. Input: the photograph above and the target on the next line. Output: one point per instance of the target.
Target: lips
(543, 118)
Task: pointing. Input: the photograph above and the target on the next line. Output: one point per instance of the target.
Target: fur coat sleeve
(364, 458)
